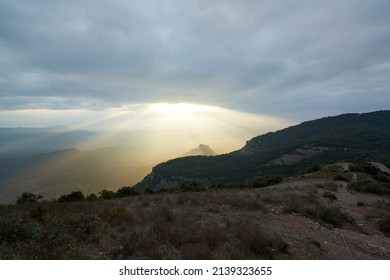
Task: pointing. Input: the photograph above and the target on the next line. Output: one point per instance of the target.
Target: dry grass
(207, 224)
(203, 225)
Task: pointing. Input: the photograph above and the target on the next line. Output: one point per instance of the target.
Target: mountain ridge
(347, 136)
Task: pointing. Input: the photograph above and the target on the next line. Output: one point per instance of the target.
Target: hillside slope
(344, 137)
(327, 214)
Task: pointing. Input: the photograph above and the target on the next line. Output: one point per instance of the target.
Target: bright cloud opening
(159, 127)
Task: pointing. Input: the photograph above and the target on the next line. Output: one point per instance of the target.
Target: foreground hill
(284, 152)
(341, 211)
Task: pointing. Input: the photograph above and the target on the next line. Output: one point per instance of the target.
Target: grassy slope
(296, 219)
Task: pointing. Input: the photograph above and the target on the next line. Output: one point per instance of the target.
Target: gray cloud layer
(278, 57)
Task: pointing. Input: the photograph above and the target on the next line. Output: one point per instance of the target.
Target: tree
(126, 191)
(28, 197)
(91, 197)
(76, 196)
(105, 194)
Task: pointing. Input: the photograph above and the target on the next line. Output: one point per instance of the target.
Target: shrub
(28, 197)
(302, 204)
(360, 203)
(265, 181)
(340, 177)
(384, 225)
(91, 197)
(76, 196)
(38, 214)
(313, 168)
(258, 243)
(115, 215)
(382, 178)
(193, 251)
(334, 216)
(364, 167)
(16, 227)
(189, 187)
(369, 186)
(148, 190)
(105, 194)
(84, 227)
(331, 186)
(329, 195)
(126, 191)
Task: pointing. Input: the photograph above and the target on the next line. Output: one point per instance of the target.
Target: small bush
(382, 178)
(384, 225)
(189, 187)
(262, 182)
(193, 251)
(271, 200)
(334, 216)
(148, 190)
(315, 243)
(258, 243)
(16, 227)
(126, 191)
(301, 204)
(364, 167)
(360, 203)
(313, 168)
(91, 197)
(331, 186)
(105, 194)
(38, 214)
(340, 177)
(369, 186)
(310, 213)
(329, 195)
(114, 215)
(76, 196)
(28, 197)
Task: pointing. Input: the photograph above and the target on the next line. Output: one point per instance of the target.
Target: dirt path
(310, 240)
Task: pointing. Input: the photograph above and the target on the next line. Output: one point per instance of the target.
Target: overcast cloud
(290, 58)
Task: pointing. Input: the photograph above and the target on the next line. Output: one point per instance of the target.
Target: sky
(77, 62)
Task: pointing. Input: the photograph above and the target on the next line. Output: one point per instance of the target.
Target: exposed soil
(305, 152)
(308, 239)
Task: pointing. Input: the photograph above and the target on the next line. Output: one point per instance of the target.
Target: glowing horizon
(165, 126)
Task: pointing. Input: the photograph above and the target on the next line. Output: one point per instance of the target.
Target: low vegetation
(191, 221)
(372, 179)
(141, 227)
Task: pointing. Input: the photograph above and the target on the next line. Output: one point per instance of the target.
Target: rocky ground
(309, 239)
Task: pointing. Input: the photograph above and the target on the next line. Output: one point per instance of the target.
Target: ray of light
(132, 139)
(162, 126)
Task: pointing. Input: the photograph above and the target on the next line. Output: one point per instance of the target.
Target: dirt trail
(310, 240)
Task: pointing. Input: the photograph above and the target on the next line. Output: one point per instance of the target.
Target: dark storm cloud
(264, 56)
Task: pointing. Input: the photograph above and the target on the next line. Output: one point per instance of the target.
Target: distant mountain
(55, 160)
(26, 130)
(202, 150)
(59, 172)
(284, 152)
(21, 141)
